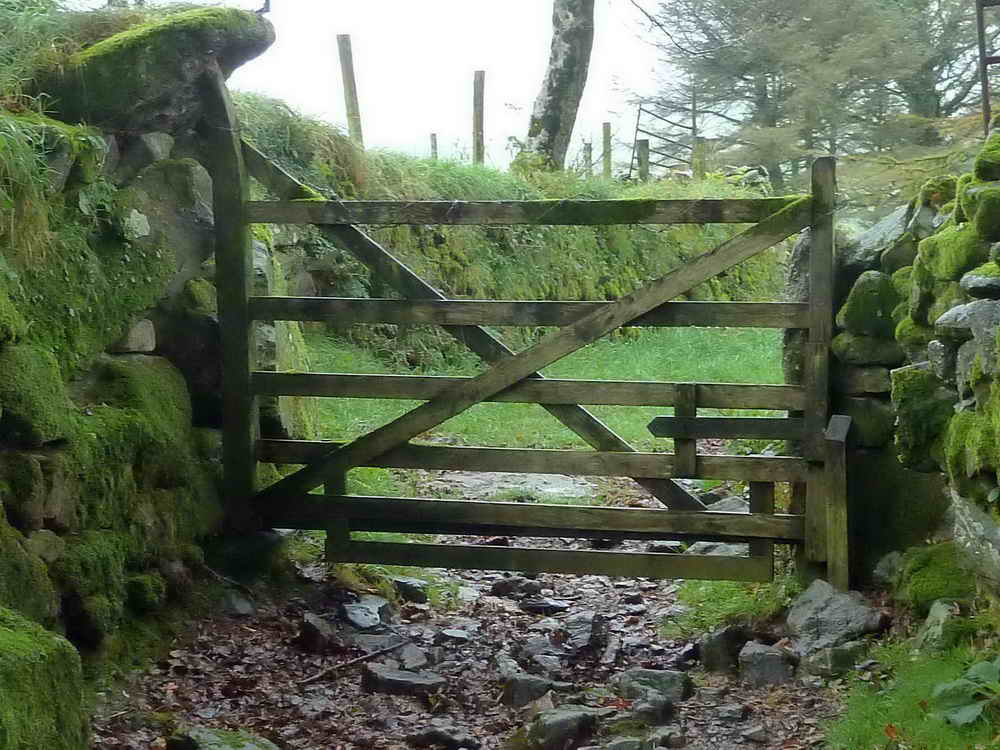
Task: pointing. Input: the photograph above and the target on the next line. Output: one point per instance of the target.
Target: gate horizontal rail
(422, 515)
(348, 311)
(550, 391)
(546, 461)
(532, 560)
(507, 213)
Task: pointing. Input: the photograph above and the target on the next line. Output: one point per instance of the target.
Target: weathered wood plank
(480, 341)
(837, 539)
(762, 501)
(346, 311)
(761, 428)
(817, 492)
(234, 259)
(686, 449)
(532, 391)
(435, 516)
(528, 560)
(549, 349)
(564, 212)
(543, 461)
(821, 292)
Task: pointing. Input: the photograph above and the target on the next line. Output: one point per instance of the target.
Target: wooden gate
(818, 475)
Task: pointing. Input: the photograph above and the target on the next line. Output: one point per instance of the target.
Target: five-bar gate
(818, 475)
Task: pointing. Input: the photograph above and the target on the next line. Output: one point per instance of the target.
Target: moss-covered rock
(923, 407)
(962, 200)
(24, 580)
(145, 592)
(931, 573)
(913, 337)
(873, 420)
(148, 78)
(983, 282)
(41, 689)
(947, 294)
(34, 407)
(938, 191)
(869, 305)
(853, 349)
(987, 217)
(950, 253)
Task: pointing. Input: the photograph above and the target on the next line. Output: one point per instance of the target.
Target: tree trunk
(554, 115)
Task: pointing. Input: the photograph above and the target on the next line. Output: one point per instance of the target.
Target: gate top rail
(551, 212)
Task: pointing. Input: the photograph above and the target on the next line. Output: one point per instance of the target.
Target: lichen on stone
(931, 573)
(951, 252)
(869, 305)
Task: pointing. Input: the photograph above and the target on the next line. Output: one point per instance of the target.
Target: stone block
(140, 338)
(764, 665)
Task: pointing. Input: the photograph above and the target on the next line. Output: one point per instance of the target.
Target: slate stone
(446, 735)
(981, 287)
(835, 660)
(718, 548)
(413, 658)
(544, 605)
(197, 738)
(732, 504)
(585, 630)
(316, 635)
(638, 682)
(508, 586)
(625, 743)
(865, 252)
(666, 547)
(368, 613)
(933, 633)
(821, 617)
(887, 568)
(411, 589)
(451, 635)
(237, 605)
(378, 678)
(667, 737)
(764, 665)
(731, 712)
(943, 357)
(140, 338)
(720, 649)
(973, 319)
(522, 688)
(757, 734)
(652, 708)
(563, 727)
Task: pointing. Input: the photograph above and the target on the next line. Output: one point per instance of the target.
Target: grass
(669, 354)
(896, 705)
(712, 604)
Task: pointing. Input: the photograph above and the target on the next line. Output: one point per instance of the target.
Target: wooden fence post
(607, 150)
(350, 89)
(588, 158)
(642, 150)
(478, 141)
(434, 146)
(837, 541)
(234, 261)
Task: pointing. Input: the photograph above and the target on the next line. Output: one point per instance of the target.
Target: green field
(668, 354)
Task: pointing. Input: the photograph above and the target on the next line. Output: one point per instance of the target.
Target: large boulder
(821, 617)
(149, 78)
(41, 688)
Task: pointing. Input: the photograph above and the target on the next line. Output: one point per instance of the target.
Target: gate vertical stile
(234, 266)
(816, 368)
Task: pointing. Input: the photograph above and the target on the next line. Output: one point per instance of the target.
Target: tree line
(779, 81)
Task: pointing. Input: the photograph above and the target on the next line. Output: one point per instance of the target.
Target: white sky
(414, 63)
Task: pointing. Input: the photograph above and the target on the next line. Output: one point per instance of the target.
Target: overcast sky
(414, 63)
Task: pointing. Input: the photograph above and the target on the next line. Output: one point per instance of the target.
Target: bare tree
(556, 106)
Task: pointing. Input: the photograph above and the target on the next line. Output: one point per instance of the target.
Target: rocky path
(565, 661)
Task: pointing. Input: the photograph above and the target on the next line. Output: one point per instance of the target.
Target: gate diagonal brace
(578, 419)
(549, 349)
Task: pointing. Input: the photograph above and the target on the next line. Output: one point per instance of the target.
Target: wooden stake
(642, 149)
(434, 146)
(350, 89)
(478, 142)
(588, 159)
(607, 150)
